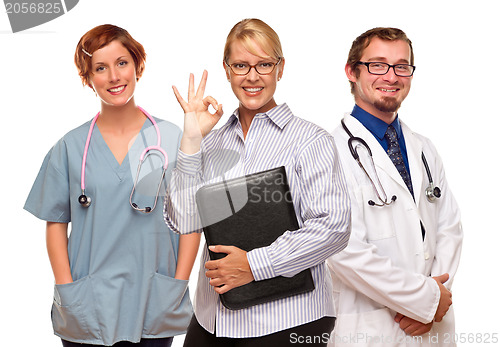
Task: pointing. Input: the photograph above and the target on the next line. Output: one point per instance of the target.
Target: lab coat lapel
(380, 157)
(414, 152)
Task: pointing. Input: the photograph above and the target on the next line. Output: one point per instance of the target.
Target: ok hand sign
(198, 121)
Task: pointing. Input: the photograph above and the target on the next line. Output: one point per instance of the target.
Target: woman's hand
(198, 121)
(57, 248)
(229, 272)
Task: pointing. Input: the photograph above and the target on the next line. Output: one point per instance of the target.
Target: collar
(375, 125)
(279, 115)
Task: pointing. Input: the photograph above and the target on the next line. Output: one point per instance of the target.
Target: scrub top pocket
(169, 307)
(73, 311)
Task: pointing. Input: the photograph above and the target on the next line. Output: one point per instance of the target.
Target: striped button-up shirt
(318, 189)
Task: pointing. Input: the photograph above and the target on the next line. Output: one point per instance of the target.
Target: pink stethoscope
(85, 200)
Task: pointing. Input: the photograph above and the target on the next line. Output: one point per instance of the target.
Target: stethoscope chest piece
(84, 200)
(432, 193)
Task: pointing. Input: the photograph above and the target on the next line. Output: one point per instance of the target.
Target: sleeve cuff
(189, 164)
(437, 297)
(260, 264)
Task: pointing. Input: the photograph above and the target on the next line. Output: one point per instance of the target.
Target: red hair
(99, 37)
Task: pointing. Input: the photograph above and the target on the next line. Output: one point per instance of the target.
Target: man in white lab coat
(392, 282)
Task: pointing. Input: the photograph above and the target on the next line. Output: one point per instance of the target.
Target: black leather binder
(251, 212)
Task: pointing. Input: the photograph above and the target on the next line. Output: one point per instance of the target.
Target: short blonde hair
(253, 29)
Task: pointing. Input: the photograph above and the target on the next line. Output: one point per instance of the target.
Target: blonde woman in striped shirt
(263, 135)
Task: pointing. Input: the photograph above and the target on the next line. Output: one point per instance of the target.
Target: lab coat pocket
(169, 308)
(372, 328)
(73, 312)
(379, 219)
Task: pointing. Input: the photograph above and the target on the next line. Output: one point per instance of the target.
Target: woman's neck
(246, 116)
(119, 126)
(120, 119)
(245, 121)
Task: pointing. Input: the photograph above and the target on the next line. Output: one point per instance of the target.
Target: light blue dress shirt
(378, 129)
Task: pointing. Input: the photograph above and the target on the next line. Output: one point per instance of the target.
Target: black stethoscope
(85, 200)
(431, 192)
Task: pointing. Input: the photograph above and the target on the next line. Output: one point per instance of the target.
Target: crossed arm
(414, 327)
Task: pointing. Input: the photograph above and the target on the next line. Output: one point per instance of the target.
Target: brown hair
(100, 37)
(254, 29)
(363, 41)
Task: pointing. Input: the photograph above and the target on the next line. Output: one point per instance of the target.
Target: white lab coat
(387, 267)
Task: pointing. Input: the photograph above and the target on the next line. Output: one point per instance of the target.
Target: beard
(387, 104)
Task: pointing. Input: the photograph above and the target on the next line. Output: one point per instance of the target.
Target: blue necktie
(394, 153)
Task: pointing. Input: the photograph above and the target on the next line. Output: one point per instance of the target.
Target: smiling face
(255, 92)
(381, 95)
(113, 74)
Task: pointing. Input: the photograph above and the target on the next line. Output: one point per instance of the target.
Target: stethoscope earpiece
(146, 209)
(383, 200)
(372, 203)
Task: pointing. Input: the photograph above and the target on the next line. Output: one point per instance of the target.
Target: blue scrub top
(122, 261)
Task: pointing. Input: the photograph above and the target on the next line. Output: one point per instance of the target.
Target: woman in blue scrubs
(121, 276)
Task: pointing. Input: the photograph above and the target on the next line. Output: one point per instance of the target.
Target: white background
(451, 102)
